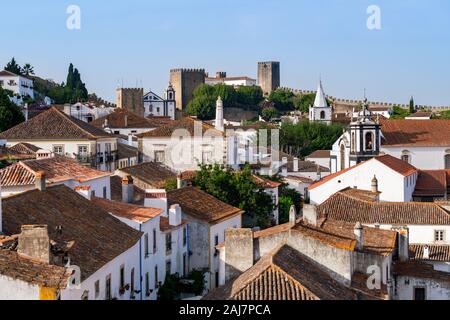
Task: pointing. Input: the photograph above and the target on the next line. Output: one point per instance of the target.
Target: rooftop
(99, 237)
(320, 154)
(432, 183)
(345, 207)
(436, 252)
(417, 133)
(151, 173)
(56, 169)
(122, 118)
(285, 274)
(186, 123)
(53, 124)
(201, 205)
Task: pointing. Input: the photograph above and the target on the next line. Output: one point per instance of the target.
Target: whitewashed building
(320, 111)
(20, 85)
(155, 106)
(87, 112)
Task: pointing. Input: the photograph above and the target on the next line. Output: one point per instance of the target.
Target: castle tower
(268, 76)
(131, 99)
(219, 115)
(320, 111)
(365, 138)
(184, 82)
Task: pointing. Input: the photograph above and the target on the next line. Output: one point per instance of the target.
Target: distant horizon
(138, 42)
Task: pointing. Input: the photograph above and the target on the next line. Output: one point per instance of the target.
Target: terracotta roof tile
(34, 272)
(432, 183)
(285, 274)
(122, 118)
(164, 224)
(125, 151)
(151, 173)
(127, 211)
(99, 237)
(416, 132)
(344, 207)
(116, 191)
(53, 124)
(418, 269)
(201, 205)
(436, 252)
(265, 183)
(320, 154)
(56, 169)
(186, 123)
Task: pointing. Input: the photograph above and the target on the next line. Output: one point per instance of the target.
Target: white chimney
(403, 244)
(180, 182)
(358, 231)
(310, 214)
(39, 180)
(156, 198)
(295, 165)
(219, 115)
(284, 168)
(84, 191)
(426, 252)
(127, 189)
(292, 216)
(130, 139)
(318, 173)
(26, 112)
(175, 215)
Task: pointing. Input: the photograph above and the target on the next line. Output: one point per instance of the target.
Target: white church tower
(320, 111)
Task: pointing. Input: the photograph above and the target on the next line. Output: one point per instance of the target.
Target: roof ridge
(70, 118)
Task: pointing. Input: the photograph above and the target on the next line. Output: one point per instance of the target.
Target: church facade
(156, 106)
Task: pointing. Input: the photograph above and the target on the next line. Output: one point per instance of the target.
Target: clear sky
(139, 41)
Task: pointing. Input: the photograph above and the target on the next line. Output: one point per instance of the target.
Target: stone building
(131, 99)
(268, 76)
(184, 82)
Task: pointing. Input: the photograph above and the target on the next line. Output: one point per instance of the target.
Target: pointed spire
(320, 101)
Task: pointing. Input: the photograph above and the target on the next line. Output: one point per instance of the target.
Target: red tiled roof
(56, 169)
(164, 224)
(99, 237)
(432, 183)
(436, 252)
(55, 125)
(122, 118)
(14, 266)
(284, 274)
(391, 162)
(201, 205)
(127, 211)
(416, 133)
(419, 269)
(320, 154)
(151, 173)
(344, 207)
(186, 123)
(265, 183)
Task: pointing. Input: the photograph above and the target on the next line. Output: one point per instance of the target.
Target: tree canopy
(305, 137)
(283, 99)
(10, 114)
(238, 189)
(13, 67)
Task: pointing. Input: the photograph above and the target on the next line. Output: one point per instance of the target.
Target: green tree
(237, 189)
(27, 69)
(304, 101)
(399, 112)
(13, 67)
(203, 107)
(249, 96)
(227, 93)
(269, 113)
(305, 137)
(282, 99)
(10, 114)
(412, 108)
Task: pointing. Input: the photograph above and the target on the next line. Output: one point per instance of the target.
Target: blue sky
(139, 41)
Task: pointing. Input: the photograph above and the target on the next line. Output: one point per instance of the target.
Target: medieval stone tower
(268, 76)
(131, 99)
(184, 81)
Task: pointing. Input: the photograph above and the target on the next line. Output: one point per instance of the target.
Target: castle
(184, 82)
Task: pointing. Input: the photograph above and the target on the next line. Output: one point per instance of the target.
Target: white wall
(434, 290)
(425, 158)
(21, 85)
(324, 162)
(14, 289)
(422, 234)
(390, 183)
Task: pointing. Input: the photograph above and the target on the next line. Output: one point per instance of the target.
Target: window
(168, 267)
(322, 115)
(353, 146)
(147, 284)
(82, 150)
(104, 193)
(159, 156)
(217, 279)
(206, 157)
(108, 288)
(146, 245)
(93, 194)
(369, 141)
(156, 276)
(184, 235)
(216, 240)
(97, 288)
(342, 157)
(447, 161)
(1, 83)
(438, 235)
(419, 294)
(406, 156)
(154, 240)
(117, 132)
(132, 282)
(58, 150)
(122, 276)
(184, 264)
(169, 243)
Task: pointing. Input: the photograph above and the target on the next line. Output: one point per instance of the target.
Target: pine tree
(13, 67)
(70, 76)
(412, 109)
